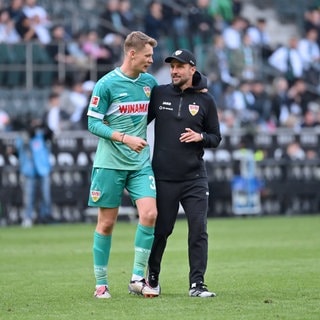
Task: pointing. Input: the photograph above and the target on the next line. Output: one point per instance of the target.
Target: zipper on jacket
(179, 107)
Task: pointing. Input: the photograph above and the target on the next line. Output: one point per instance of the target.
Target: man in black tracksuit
(186, 122)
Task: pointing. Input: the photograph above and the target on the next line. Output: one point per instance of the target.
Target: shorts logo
(193, 109)
(147, 91)
(95, 195)
(95, 101)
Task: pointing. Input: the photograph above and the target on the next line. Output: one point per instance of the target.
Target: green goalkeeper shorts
(107, 186)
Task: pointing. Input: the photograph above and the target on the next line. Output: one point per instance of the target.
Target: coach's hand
(190, 136)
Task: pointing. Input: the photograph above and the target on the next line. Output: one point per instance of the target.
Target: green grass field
(260, 268)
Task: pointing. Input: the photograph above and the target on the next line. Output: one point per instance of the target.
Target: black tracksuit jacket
(173, 111)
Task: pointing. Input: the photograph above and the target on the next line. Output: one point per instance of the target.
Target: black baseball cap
(184, 56)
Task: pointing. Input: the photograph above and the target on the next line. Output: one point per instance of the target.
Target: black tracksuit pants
(193, 196)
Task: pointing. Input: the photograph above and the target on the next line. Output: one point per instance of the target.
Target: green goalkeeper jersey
(120, 104)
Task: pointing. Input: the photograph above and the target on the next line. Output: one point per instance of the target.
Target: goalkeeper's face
(142, 59)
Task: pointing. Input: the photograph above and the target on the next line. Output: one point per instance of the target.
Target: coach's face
(142, 59)
(181, 74)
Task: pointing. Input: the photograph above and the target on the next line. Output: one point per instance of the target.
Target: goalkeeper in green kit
(117, 114)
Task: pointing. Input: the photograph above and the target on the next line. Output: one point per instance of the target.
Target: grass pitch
(260, 268)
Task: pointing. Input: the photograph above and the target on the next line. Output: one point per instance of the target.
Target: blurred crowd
(255, 82)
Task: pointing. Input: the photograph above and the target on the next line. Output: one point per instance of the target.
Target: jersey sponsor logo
(147, 91)
(193, 109)
(141, 107)
(164, 105)
(165, 108)
(94, 101)
(95, 195)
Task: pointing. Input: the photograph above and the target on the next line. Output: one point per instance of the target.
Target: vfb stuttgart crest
(95, 195)
(147, 91)
(193, 109)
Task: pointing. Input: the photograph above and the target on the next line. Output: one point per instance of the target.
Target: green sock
(142, 247)
(101, 253)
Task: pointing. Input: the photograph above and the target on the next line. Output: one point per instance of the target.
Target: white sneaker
(27, 223)
(157, 289)
(141, 287)
(102, 292)
(200, 290)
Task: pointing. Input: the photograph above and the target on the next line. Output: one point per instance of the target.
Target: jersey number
(152, 183)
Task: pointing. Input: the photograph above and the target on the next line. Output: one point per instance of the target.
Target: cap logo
(177, 52)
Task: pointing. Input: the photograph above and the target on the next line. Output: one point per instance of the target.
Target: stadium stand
(289, 187)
